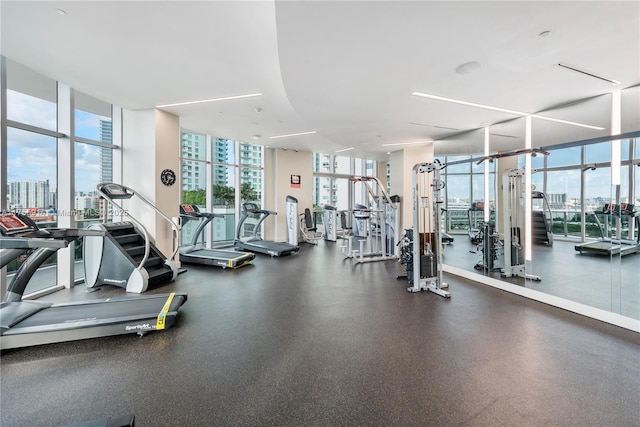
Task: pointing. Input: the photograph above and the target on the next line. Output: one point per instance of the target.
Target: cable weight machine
(424, 266)
(514, 194)
(375, 230)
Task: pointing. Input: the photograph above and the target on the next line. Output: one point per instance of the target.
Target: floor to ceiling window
(217, 175)
(332, 183)
(31, 148)
(464, 189)
(34, 169)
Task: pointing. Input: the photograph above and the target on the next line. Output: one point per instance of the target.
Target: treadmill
(608, 246)
(255, 243)
(195, 253)
(26, 323)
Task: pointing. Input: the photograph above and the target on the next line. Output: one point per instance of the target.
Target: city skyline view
(32, 157)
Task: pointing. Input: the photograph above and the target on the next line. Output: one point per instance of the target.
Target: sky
(32, 157)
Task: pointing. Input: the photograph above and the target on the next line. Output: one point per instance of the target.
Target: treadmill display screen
(10, 223)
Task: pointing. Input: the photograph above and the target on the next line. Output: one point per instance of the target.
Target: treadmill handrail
(206, 219)
(147, 245)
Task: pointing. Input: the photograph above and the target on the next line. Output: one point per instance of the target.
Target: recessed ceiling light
(346, 149)
(61, 12)
(544, 33)
(226, 98)
(256, 136)
(468, 67)
(292, 134)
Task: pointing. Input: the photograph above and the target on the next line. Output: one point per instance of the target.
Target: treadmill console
(189, 210)
(14, 223)
(626, 209)
(114, 191)
(251, 207)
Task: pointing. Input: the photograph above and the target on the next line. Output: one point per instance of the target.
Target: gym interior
(320, 213)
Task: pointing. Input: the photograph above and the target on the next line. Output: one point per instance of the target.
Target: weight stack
(428, 264)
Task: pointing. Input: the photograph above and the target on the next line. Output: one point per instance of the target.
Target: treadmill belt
(79, 315)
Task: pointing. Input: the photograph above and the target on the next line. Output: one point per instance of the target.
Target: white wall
(150, 144)
(401, 165)
(279, 166)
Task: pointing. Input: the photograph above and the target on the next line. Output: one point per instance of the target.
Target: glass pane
(321, 191)
(358, 169)
(92, 118)
(598, 153)
(31, 110)
(251, 155)
(321, 162)
(624, 148)
(251, 191)
(370, 168)
(342, 165)
(224, 151)
(461, 168)
(563, 194)
(224, 195)
(31, 189)
(194, 146)
(93, 165)
(31, 97)
(564, 157)
(537, 161)
(458, 190)
(340, 190)
(479, 167)
(597, 194)
(251, 182)
(194, 181)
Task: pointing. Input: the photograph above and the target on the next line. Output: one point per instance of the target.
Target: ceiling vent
(586, 73)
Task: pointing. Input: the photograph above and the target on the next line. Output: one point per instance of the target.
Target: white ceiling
(344, 69)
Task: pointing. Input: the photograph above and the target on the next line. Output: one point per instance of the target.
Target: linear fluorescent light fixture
(405, 143)
(470, 104)
(345, 149)
(586, 73)
(202, 101)
(551, 119)
(292, 134)
(504, 110)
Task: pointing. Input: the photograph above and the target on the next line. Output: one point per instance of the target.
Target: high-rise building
(29, 195)
(194, 175)
(223, 156)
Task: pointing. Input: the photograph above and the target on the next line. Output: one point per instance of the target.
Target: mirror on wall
(570, 189)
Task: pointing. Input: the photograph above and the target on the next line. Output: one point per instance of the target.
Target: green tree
(223, 195)
(194, 197)
(247, 192)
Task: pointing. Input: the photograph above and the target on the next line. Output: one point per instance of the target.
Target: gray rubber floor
(312, 339)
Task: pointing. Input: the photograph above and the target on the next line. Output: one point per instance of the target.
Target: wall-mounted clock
(168, 177)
